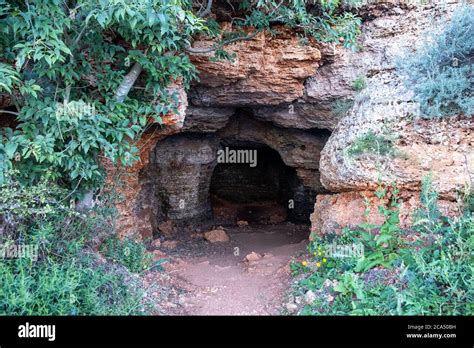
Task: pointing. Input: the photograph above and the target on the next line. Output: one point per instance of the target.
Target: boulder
(349, 209)
(242, 223)
(253, 256)
(216, 236)
(170, 244)
(156, 244)
(166, 227)
(309, 297)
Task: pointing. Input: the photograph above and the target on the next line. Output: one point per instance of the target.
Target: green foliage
(380, 248)
(349, 285)
(65, 65)
(70, 60)
(359, 84)
(64, 278)
(428, 218)
(341, 107)
(64, 288)
(68, 140)
(321, 20)
(428, 275)
(127, 252)
(371, 142)
(8, 78)
(440, 72)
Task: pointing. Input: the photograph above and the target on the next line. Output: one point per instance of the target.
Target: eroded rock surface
(267, 71)
(177, 179)
(289, 97)
(134, 218)
(442, 148)
(349, 209)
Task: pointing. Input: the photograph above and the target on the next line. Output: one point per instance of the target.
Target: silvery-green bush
(441, 71)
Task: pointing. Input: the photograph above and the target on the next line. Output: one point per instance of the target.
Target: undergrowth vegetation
(370, 142)
(359, 83)
(86, 78)
(341, 107)
(127, 252)
(59, 274)
(426, 270)
(440, 71)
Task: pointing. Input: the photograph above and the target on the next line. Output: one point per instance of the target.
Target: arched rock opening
(185, 182)
(262, 190)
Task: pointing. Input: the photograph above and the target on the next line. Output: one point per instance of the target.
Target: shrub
(371, 143)
(341, 107)
(65, 278)
(127, 252)
(64, 287)
(396, 276)
(359, 84)
(440, 72)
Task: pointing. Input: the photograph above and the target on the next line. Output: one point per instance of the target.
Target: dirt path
(224, 284)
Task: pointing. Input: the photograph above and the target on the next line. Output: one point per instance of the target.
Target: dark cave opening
(199, 179)
(262, 189)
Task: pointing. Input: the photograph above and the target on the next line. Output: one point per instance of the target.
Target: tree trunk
(128, 82)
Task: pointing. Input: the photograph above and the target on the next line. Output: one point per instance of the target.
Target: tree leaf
(10, 149)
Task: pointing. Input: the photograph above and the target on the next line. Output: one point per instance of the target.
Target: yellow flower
(325, 260)
(304, 263)
(319, 248)
(320, 253)
(318, 264)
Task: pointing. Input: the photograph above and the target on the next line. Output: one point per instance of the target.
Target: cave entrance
(252, 183)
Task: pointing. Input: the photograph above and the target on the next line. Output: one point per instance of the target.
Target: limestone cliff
(386, 108)
(301, 101)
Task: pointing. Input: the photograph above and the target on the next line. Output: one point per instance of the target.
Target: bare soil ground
(216, 279)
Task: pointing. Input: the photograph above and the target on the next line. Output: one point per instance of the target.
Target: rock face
(348, 209)
(297, 100)
(302, 114)
(266, 71)
(206, 119)
(270, 75)
(386, 108)
(298, 149)
(176, 182)
(442, 147)
(134, 217)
